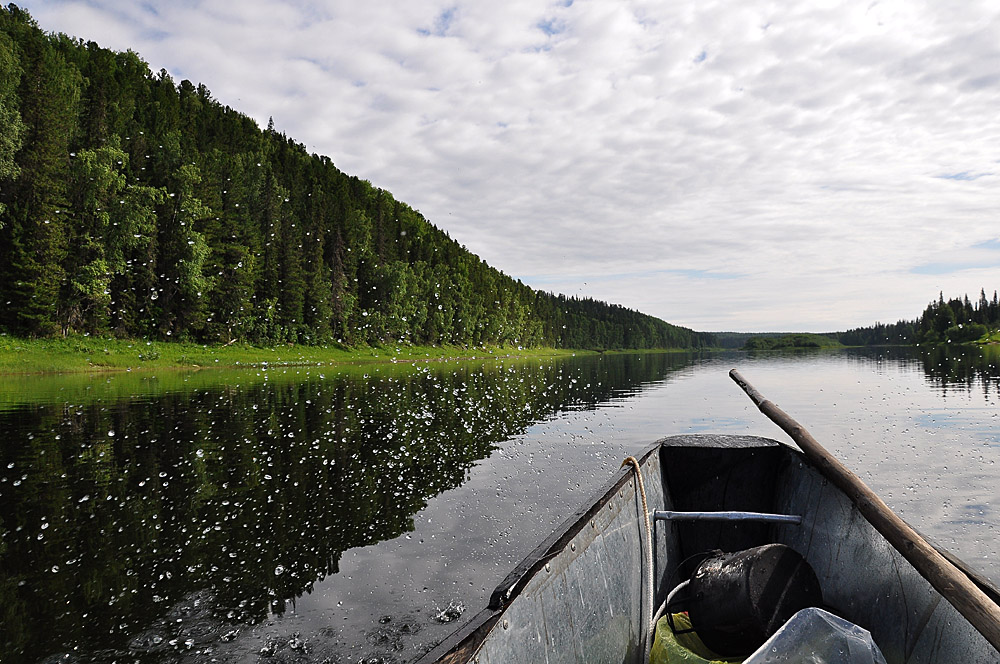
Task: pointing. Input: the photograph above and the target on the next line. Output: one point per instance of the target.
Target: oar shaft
(948, 580)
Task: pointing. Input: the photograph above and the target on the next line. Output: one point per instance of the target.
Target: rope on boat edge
(637, 469)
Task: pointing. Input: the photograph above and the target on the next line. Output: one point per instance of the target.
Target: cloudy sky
(739, 165)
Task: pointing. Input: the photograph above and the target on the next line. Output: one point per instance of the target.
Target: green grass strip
(97, 354)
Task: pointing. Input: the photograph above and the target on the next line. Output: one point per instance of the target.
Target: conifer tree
(35, 228)
(11, 127)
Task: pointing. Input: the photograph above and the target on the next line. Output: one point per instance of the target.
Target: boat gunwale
(462, 644)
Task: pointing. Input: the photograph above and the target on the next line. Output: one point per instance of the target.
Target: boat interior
(863, 579)
(582, 595)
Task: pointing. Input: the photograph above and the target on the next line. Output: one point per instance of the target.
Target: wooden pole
(981, 612)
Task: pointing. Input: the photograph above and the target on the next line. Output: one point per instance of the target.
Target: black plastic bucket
(738, 600)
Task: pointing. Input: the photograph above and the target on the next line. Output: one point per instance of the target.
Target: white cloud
(824, 152)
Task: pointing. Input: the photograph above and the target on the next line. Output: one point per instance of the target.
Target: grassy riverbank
(88, 354)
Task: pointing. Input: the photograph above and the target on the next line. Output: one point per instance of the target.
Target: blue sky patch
(444, 20)
(948, 268)
(551, 26)
(989, 245)
(976, 260)
(964, 176)
(442, 23)
(940, 268)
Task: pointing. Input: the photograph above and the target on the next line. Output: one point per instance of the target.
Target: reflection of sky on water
(945, 419)
(702, 425)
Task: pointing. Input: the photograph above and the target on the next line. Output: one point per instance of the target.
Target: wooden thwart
(981, 612)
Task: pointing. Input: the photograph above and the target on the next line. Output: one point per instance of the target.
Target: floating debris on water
(269, 648)
(452, 612)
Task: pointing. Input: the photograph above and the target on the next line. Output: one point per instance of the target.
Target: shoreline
(85, 354)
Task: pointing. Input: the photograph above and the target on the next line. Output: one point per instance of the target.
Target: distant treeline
(791, 341)
(135, 206)
(774, 340)
(956, 320)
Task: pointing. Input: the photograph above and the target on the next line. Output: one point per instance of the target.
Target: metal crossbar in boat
(666, 515)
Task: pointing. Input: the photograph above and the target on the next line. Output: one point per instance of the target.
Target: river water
(296, 514)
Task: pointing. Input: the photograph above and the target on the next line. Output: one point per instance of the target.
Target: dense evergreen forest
(136, 206)
(956, 320)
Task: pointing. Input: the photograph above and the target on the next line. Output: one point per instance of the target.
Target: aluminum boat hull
(579, 597)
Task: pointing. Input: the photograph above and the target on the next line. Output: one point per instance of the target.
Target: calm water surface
(310, 515)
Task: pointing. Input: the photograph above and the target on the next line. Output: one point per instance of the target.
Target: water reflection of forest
(146, 527)
(968, 366)
(948, 366)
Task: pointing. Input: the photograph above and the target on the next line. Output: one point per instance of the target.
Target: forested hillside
(956, 320)
(137, 206)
